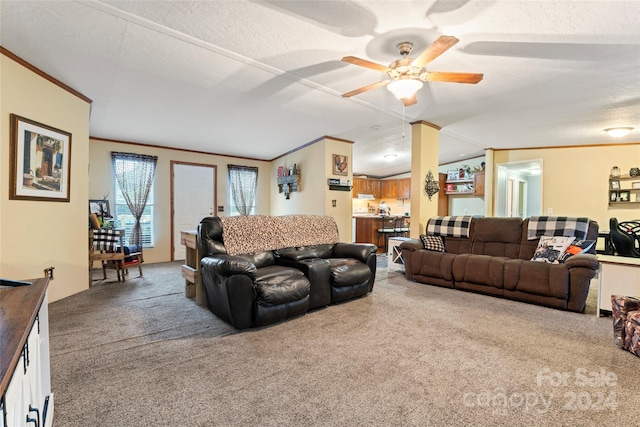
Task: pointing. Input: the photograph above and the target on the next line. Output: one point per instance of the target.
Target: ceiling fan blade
(367, 64)
(409, 101)
(365, 88)
(437, 76)
(437, 48)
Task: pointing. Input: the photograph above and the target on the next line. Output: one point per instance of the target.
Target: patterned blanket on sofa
(257, 233)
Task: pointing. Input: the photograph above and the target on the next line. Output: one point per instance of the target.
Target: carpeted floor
(141, 354)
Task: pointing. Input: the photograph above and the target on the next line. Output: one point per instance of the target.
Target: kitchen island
(366, 229)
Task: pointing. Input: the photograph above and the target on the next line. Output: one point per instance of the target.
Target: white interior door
(193, 199)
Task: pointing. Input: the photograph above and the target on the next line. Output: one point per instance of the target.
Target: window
(134, 204)
(127, 221)
(243, 182)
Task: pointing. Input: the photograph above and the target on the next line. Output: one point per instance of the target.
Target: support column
(425, 138)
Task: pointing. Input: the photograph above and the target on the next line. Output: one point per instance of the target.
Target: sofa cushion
(348, 272)
(550, 248)
(576, 248)
(260, 259)
(432, 243)
(276, 285)
(497, 237)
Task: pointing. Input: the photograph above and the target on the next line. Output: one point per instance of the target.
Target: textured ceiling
(260, 78)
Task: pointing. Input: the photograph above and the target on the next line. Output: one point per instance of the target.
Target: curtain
(243, 181)
(134, 174)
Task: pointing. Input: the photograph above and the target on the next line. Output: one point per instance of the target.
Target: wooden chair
(387, 228)
(133, 257)
(106, 246)
(401, 227)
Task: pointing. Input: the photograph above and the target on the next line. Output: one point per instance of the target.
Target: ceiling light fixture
(390, 157)
(618, 132)
(404, 88)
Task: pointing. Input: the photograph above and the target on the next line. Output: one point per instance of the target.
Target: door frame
(172, 163)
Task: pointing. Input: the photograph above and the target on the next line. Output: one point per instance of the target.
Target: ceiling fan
(407, 74)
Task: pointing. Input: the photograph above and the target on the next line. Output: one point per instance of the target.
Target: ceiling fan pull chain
(403, 121)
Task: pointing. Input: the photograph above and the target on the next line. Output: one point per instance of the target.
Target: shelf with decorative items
(288, 180)
(624, 189)
(466, 181)
(336, 184)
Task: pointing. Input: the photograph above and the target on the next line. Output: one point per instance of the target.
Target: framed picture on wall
(453, 175)
(39, 163)
(613, 196)
(340, 164)
(625, 196)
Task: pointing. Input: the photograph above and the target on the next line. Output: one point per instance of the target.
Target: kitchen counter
(366, 229)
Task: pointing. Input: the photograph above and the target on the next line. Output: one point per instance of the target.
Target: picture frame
(39, 161)
(453, 175)
(635, 185)
(614, 184)
(613, 196)
(340, 164)
(625, 196)
(100, 207)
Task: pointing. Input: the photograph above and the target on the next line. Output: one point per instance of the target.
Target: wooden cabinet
(443, 200)
(404, 188)
(25, 387)
(389, 189)
(624, 191)
(383, 188)
(478, 184)
(366, 186)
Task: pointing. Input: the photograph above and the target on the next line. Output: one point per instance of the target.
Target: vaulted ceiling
(261, 78)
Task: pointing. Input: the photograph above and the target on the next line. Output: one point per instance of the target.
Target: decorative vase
(615, 172)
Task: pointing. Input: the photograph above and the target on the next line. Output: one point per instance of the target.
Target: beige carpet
(140, 354)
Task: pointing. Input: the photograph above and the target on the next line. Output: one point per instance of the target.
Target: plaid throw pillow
(432, 243)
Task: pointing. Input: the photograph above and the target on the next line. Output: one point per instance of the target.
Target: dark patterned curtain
(243, 181)
(134, 173)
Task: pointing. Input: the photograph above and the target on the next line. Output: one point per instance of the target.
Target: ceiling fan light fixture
(618, 132)
(404, 88)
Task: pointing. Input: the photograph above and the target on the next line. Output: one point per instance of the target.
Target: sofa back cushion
(258, 233)
(209, 237)
(497, 237)
(260, 259)
(528, 247)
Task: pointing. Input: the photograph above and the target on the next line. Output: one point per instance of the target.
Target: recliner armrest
(359, 251)
(583, 260)
(411, 245)
(228, 265)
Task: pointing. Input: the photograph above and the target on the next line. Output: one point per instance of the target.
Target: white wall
(35, 235)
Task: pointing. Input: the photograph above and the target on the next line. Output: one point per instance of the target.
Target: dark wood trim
(619, 144)
(322, 138)
(42, 74)
(172, 194)
(426, 123)
(185, 150)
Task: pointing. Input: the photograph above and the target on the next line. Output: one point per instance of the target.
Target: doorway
(519, 189)
(193, 197)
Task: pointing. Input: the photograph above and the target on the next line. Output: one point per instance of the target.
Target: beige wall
(315, 163)
(576, 179)
(101, 182)
(35, 235)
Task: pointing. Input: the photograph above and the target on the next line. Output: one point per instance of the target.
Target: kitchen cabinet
(478, 184)
(404, 188)
(389, 189)
(366, 186)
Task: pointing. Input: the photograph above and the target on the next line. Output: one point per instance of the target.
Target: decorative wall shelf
(340, 187)
(288, 184)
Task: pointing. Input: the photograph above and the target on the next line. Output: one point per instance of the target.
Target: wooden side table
(192, 269)
(395, 262)
(618, 276)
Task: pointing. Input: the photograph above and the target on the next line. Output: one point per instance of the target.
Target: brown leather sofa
(258, 270)
(496, 260)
